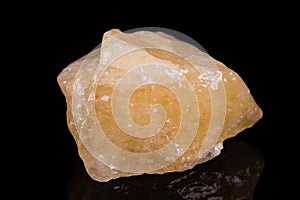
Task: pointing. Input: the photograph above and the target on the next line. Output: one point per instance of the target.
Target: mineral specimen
(148, 103)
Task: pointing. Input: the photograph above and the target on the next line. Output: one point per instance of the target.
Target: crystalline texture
(146, 102)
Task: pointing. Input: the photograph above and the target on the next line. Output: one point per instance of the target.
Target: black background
(247, 39)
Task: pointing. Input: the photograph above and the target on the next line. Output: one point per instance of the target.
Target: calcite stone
(148, 103)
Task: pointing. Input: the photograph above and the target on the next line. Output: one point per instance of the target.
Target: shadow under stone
(233, 174)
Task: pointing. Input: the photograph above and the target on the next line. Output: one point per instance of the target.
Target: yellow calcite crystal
(146, 102)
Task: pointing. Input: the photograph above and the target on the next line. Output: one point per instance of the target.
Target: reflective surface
(234, 174)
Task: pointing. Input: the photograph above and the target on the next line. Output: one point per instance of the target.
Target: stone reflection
(233, 174)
